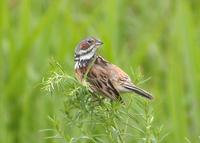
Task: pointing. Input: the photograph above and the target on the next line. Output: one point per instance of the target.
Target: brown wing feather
(116, 75)
(100, 82)
(123, 83)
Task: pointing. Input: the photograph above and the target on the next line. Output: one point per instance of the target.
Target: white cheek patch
(88, 56)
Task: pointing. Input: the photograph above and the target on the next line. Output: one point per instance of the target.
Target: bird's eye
(89, 41)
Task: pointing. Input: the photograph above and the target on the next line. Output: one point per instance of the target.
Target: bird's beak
(98, 43)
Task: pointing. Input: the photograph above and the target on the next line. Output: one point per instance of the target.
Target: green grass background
(160, 37)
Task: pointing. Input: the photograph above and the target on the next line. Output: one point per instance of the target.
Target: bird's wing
(123, 83)
(116, 75)
(111, 80)
(99, 79)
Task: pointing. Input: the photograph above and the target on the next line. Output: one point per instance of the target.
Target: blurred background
(162, 38)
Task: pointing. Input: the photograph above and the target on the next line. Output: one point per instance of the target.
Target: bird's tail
(139, 91)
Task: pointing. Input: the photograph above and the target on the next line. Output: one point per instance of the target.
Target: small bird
(102, 76)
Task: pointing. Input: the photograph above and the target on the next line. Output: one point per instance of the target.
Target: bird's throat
(82, 63)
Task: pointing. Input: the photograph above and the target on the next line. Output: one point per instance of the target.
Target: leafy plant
(93, 118)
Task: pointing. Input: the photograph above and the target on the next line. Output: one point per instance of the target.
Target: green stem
(120, 136)
(148, 124)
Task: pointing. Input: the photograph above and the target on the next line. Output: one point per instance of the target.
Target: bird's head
(86, 49)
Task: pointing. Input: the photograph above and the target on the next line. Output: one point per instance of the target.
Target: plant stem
(120, 136)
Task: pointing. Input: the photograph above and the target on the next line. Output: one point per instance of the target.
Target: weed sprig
(92, 118)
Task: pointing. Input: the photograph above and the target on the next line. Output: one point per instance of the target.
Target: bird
(103, 77)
